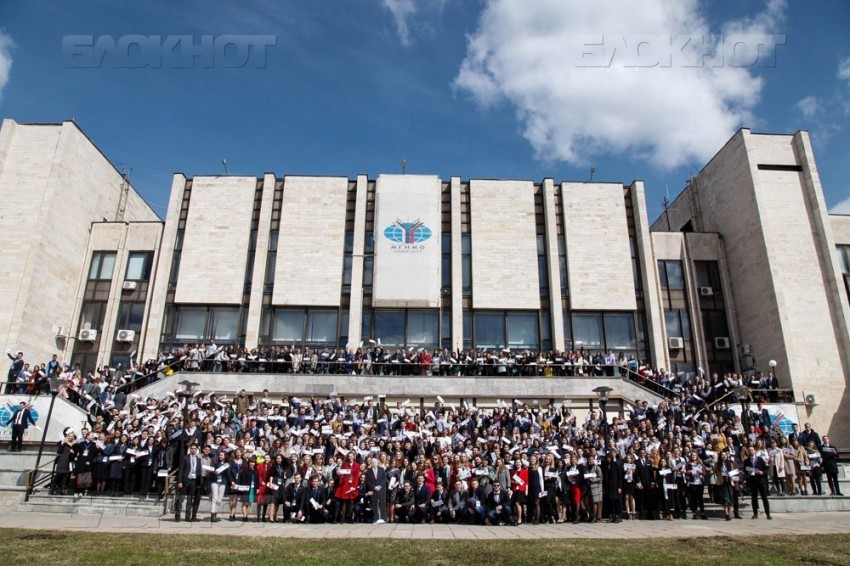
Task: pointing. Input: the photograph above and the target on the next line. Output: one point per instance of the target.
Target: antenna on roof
(403, 166)
(224, 164)
(592, 171)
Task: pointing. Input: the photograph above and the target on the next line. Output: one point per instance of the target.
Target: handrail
(168, 489)
(32, 480)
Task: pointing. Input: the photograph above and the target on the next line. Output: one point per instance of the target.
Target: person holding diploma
(830, 465)
(219, 479)
(756, 471)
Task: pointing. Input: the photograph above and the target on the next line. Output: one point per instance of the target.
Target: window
(587, 331)
(466, 263)
(636, 268)
(707, 274)
(489, 330)
(224, 323)
(139, 266)
(546, 330)
(422, 328)
(467, 329)
(562, 266)
(446, 263)
(191, 323)
(523, 331)
(343, 327)
(568, 331)
(288, 325)
(130, 316)
(844, 258)
(446, 329)
(678, 324)
(90, 317)
(366, 328)
(271, 262)
(321, 327)
(348, 251)
(102, 266)
(542, 266)
(670, 272)
(620, 332)
(389, 327)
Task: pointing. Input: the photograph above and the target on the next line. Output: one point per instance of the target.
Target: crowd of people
(343, 460)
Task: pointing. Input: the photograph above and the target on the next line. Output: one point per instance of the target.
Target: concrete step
(23, 460)
(44, 503)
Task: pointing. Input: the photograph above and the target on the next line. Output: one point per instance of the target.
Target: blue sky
(479, 88)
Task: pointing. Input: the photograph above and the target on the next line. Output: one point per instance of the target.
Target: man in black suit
(376, 487)
(315, 498)
(294, 500)
(189, 484)
(476, 505)
(809, 435)
(829, 454)
(644, 487)
(421, 501)
(404, 502)
(756, 471)
(14, 370)
(499, 506)
(20, 421)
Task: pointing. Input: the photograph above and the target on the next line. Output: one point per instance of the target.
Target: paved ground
(786, 523)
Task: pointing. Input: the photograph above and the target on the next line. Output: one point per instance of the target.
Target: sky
(492, 89)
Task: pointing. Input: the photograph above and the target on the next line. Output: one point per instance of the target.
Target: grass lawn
(19, 546)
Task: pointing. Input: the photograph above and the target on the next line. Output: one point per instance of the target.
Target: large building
(745, 267)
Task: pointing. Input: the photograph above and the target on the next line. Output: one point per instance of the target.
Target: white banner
(783, 415)
(407, 241)
(65, 414)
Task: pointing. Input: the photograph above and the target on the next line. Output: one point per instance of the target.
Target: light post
(186, 395)
(602, 394)
(55, 384)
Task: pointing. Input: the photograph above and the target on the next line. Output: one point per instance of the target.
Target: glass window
(466, 264)
(620, 332)
(266, 321)
(321, 326)
(674, 275)
(587, 331)
(546, 330)
(223, 323)
(190, 324)
(349, 242)
(422, 329)
(543, 276)
(562, 266)
(686, 325)
(130, 316)
(467, 329)
(343, 327)
(522, 330)
(366, 328)
(346, 270)
(389, 327)
(662, 274)
(369, 243)
(446, 330)
(107, 266)
(489, 330)
(139, 266)
(541, 244)
(273, 236)
(673, 324)
(368, 263)
(90, 316)
(94, 270)
(288, 325)
(446, 243)
(466, 243)
(271, 265)
(446, 269)
(178, 241)
(568, 332)
(641, 330)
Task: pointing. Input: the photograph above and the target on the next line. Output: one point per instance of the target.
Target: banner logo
(407, 232)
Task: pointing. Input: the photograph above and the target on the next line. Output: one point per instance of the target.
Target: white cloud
(5, 59)
(580, 87)
(808, 106)
(401, 11)
(844, 70)
(842, 207)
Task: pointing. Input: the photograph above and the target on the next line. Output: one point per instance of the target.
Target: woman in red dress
(264, 494)
(348, 484)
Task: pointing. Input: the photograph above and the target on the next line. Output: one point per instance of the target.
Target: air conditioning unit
(60, 332)
(746, 349)
(87, 335)
(126, 335)
(129, 286)
(721, 343)
(675, 343)
(811, 399)
(706, 291)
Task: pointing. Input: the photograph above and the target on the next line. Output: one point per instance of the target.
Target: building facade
(418, 261)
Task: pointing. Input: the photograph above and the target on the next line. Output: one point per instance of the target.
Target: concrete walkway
(782, 524)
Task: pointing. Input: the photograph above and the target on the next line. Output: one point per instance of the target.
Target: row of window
(139, 265)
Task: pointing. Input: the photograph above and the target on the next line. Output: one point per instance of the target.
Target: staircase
(43, 502)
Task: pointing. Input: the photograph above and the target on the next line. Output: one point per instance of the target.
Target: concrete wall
(311, 242)
(215, 244)
(840, 228)
(504, 245)
(599, 263)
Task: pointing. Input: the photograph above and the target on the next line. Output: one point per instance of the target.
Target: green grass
(19, 546)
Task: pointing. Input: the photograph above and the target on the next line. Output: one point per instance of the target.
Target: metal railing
(34, 482)
(169, 489)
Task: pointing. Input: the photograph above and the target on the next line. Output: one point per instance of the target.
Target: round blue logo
(407, 232)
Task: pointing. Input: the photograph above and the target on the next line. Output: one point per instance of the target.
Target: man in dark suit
(756, 471)
(421, 501)
(376, 487)
(644, 487)
(20, 421)
(14, 370)
(499, 506)
(808, 435)
(294, 500)
(189, 484)
(404, 502)
(315, 498)
(476, 505)
(457, 502)
(829, 454)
